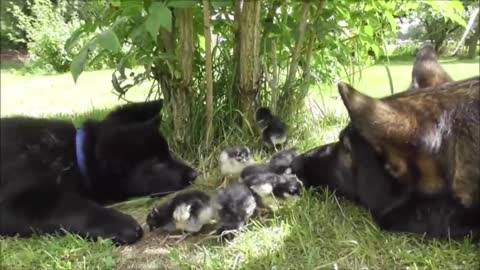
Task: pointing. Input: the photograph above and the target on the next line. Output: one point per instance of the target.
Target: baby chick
(268, 187)
(233, 160)
(187, 211)
(274, 131)
(280, 162)
(234, 205)
(289, 187)
(255, 169)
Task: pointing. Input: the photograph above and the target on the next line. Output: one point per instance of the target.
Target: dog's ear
(383, 126)
(427, 71)
(136, 112)
(374, 118)
(392, 126)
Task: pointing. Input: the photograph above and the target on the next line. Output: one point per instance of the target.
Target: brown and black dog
(412, 159)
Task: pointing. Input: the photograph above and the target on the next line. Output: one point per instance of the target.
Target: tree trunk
(208, 69)
(176, 87)
(249, 64)
(236, 96)
(472, 44)
(183, 95)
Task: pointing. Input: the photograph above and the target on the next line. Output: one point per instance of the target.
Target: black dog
(55, 177)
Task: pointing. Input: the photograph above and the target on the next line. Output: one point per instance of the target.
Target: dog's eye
(393, 169)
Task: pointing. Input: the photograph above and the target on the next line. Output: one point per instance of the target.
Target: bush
(47, 29)
(406, 49)
(10, 33)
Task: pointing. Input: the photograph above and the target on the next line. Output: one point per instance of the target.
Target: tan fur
(378, 117)
(430, 181)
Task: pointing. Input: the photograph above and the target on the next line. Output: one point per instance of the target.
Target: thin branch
(274, 82)
(298, 46)
(208, 68)
(308, 60)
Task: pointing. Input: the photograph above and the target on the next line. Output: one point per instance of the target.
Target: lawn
(317, 232)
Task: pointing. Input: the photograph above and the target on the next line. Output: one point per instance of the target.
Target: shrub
(10, 34)
(47, 28)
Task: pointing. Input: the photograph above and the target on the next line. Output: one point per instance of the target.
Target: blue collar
(79, 138)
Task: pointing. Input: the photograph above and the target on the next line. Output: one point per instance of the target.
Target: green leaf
(109, 40)
(115, 3)
(132, 8)
(181, 3)
(343, 11)
(73, 39)
(160, 16)
(391, 20)
(272, 28)
(368, 30)
(79, 61)
(221, 3)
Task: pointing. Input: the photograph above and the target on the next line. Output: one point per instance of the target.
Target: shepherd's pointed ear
(374, 118)
(136, 112)
(427, 71)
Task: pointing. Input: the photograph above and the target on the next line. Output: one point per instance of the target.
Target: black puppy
(57, 177)
(273, 130)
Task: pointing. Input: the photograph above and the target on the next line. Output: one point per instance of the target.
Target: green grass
(317, 232)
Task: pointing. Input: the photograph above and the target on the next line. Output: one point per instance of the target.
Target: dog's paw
(128, 236)
(122, 229)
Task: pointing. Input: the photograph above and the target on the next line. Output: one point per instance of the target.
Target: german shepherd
(57, 178)
(412, 159)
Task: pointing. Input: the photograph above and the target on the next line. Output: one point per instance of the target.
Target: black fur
(43, 190)
(367, 183)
